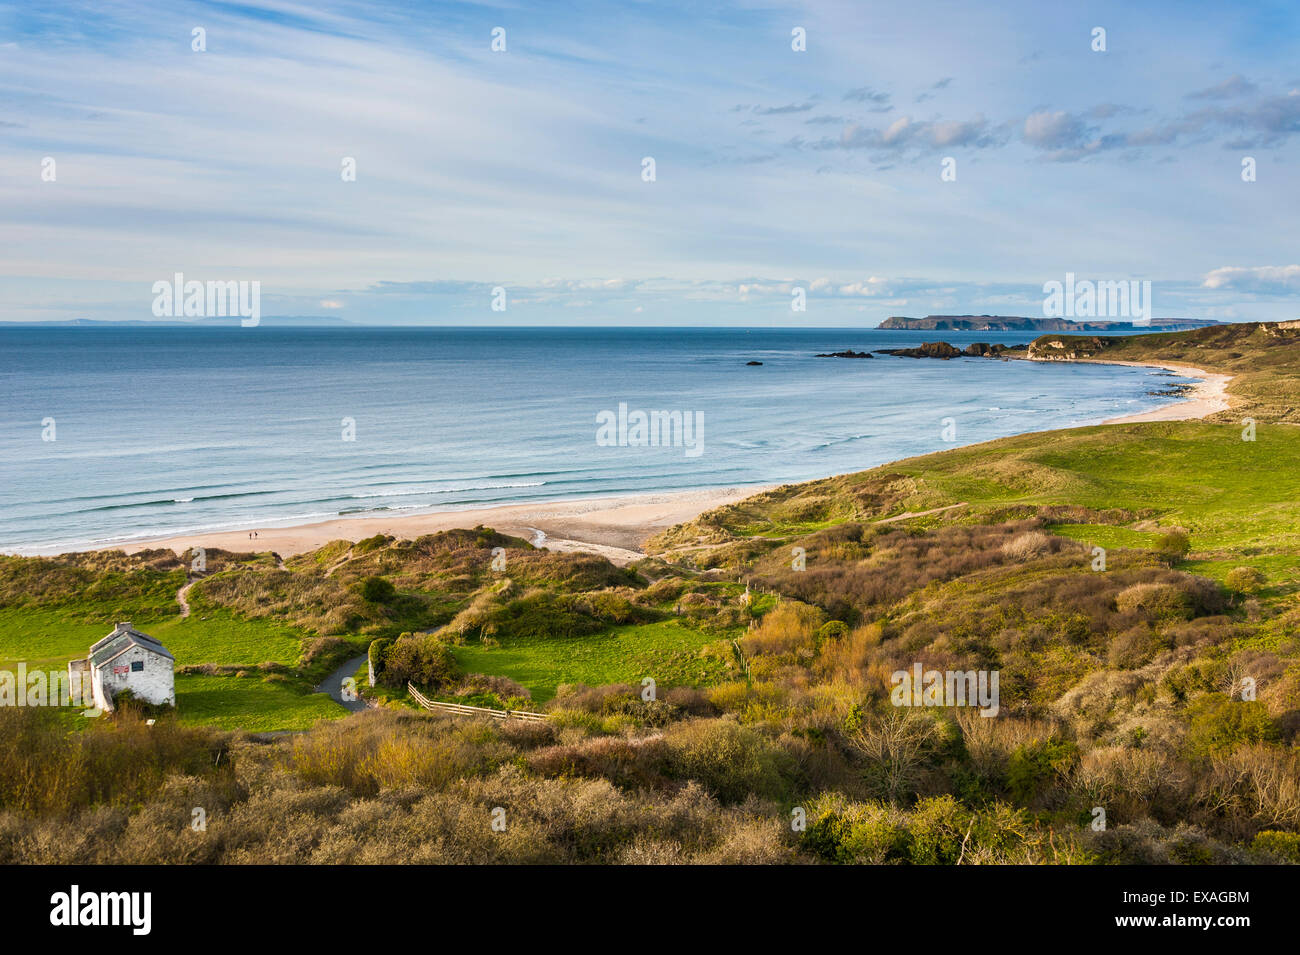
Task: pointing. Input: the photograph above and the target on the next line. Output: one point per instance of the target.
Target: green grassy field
(667, 651)
(1239, 500)
(250, 703)
(40, 635)
(46, 639)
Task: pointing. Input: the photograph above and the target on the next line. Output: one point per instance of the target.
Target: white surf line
(1209, 395)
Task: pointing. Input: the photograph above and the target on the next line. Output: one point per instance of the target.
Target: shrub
(1036, 766)
(323, 652)
(1173, 545)
(377, 590)
(938, 830)
(540, 613)
(391, 750)
(377, 653)
(1027, 546)
(1135, 647)
(937, 826)
(1133, 783)
(1146, 842)
(420, 659)
(374, 543)
(689, 700)
(834, 630)
(1158, 601)
(898, 744)
(730, 761)
(855, 833)
(502, 687)
(611, 607)
(1284, 845)
(1246, 580)
(625, 762)
(118, 760)
(1254, 786)
(1217, 724)
(788, 629)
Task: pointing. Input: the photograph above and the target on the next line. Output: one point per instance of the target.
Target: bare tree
(897, 745)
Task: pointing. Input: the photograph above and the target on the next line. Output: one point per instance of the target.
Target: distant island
(1014, 323)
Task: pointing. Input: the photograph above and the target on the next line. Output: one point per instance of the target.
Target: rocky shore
(942, 350)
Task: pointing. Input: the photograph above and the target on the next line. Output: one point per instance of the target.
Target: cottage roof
(123, 638)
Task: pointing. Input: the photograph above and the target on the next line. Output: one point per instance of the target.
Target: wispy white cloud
(523, 169)
(1259, 280)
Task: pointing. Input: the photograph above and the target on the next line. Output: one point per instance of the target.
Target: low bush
(1246, 580)
(1218, 723)
(421, 659)
(730, 761)
(377, 655)
(1156, 601)
(377, 590)
(1285, 846)
(1027, 546)
(1173, 545)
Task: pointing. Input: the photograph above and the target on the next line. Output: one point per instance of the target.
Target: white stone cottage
(127, 659)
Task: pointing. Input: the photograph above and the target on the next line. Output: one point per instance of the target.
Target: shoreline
(1208, 396)
(614, 526)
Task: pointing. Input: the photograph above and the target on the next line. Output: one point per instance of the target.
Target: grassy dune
(1239, 500)
(1114, 486)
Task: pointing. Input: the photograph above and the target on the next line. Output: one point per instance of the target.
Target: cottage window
(137, 666)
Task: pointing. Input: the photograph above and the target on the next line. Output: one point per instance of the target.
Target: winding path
(910, 514)
(333, 685)
(180, 599)
(346, 558)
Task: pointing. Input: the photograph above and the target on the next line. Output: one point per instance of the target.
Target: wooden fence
(460, 709)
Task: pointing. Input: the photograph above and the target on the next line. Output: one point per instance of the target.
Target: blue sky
(775, 168)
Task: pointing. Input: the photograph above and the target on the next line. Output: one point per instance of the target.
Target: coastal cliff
(1015, 323)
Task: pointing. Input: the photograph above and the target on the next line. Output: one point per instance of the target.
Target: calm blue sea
(169, 430)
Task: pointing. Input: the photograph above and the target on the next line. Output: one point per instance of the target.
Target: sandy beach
(1209, 395)
(614, 527)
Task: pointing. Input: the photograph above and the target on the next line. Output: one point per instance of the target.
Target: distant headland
(1014, 323)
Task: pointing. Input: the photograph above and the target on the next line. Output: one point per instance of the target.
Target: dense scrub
(590, 787)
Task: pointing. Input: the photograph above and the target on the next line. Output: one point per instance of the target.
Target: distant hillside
(1015, 323)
